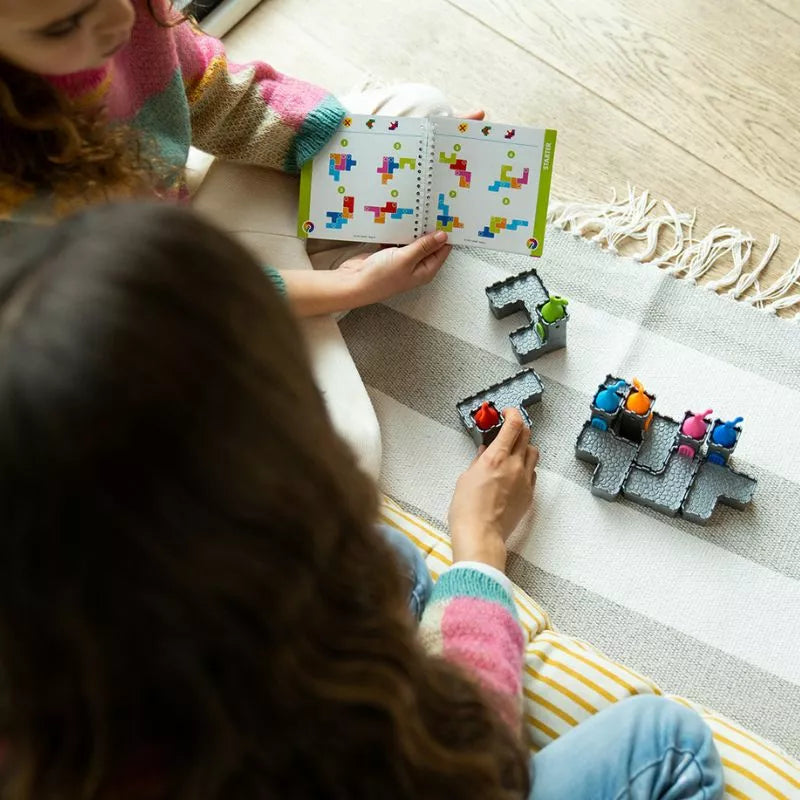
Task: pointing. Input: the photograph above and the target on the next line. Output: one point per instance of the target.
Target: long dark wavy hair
(194, 602)
(47, 142)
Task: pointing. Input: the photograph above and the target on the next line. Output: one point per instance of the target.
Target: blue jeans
(414, 569)
(643, 748)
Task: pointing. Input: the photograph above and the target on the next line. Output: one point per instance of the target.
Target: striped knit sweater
(176, 85)
(471, 620)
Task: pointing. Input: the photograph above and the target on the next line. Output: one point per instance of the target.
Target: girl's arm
(471, 621)
(251, 113)
(364, 279)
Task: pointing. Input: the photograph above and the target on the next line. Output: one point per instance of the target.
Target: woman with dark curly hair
(194, 599)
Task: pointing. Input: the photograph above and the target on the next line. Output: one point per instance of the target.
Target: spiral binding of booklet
(424, 177)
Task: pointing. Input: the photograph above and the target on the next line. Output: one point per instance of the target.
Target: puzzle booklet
(386, 179)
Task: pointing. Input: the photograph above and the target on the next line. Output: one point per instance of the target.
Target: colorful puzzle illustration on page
(499, 224)
(364, 186)
(508, 181)
(444, 220)
(500, 204)
(393, 179)
(389, 209)
(339, 218)
(459, 167)
(390, 164)
(339, 163)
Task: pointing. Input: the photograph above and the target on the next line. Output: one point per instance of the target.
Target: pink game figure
(694, 427)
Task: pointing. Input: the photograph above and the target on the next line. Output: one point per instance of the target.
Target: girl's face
(57, 37)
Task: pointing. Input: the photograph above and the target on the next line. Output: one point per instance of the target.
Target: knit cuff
(467, 582)
(486, 569)
(315, 132)
(277, 279)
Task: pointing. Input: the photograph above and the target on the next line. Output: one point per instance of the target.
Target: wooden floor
(696, 100)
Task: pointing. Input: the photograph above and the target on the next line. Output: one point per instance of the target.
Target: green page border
(545, 175)
(304, 208)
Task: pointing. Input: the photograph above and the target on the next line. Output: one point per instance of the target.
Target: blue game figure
(724, 436)
(609, 399)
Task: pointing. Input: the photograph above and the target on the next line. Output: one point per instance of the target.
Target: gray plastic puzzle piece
(523, 292)
(642, 461)
(519, 391)
(526, 293)
(532, 341)
(612, 455)
(663, 491)
(658, 443)
(716, 483)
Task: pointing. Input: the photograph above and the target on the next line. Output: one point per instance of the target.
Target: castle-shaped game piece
(547, 315)
(520, 391)
(670, 466)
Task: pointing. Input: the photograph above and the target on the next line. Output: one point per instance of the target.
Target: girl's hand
(493, 494)
(377, 276)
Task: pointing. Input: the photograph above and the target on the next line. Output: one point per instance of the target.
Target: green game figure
(552, 327)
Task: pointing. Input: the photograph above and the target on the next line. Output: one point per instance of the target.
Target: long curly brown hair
(47, 142)
(194, 602)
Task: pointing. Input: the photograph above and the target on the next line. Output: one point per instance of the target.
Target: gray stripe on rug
(678, 663)
(685, 313)
(429, 371)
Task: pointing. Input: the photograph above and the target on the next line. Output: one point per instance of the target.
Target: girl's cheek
(74, 56)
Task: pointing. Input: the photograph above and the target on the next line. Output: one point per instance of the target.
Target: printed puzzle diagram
(391, 209)
(497, 224)
(673, 467)
(507, 181)
(444, 220)
(390, 165)
(459, 167)
(339, 218)
(339, 163)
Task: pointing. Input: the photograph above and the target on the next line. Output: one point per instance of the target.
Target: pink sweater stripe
(470, 620)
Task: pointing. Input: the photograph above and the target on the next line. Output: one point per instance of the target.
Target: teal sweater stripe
(471, 583)
(314, 133)
(276, 278)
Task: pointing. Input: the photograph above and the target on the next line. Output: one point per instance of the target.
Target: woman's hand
(378, 276)
(493, 494)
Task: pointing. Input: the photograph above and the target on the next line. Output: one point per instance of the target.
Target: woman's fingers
(531, 462)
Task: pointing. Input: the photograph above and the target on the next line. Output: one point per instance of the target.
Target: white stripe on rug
(639, 562)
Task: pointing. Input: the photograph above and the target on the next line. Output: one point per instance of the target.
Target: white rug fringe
(635, 219)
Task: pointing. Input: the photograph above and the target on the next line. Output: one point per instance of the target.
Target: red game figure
(487, 416)
(488, 421)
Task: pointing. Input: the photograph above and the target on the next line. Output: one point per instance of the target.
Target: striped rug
(711, 613)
